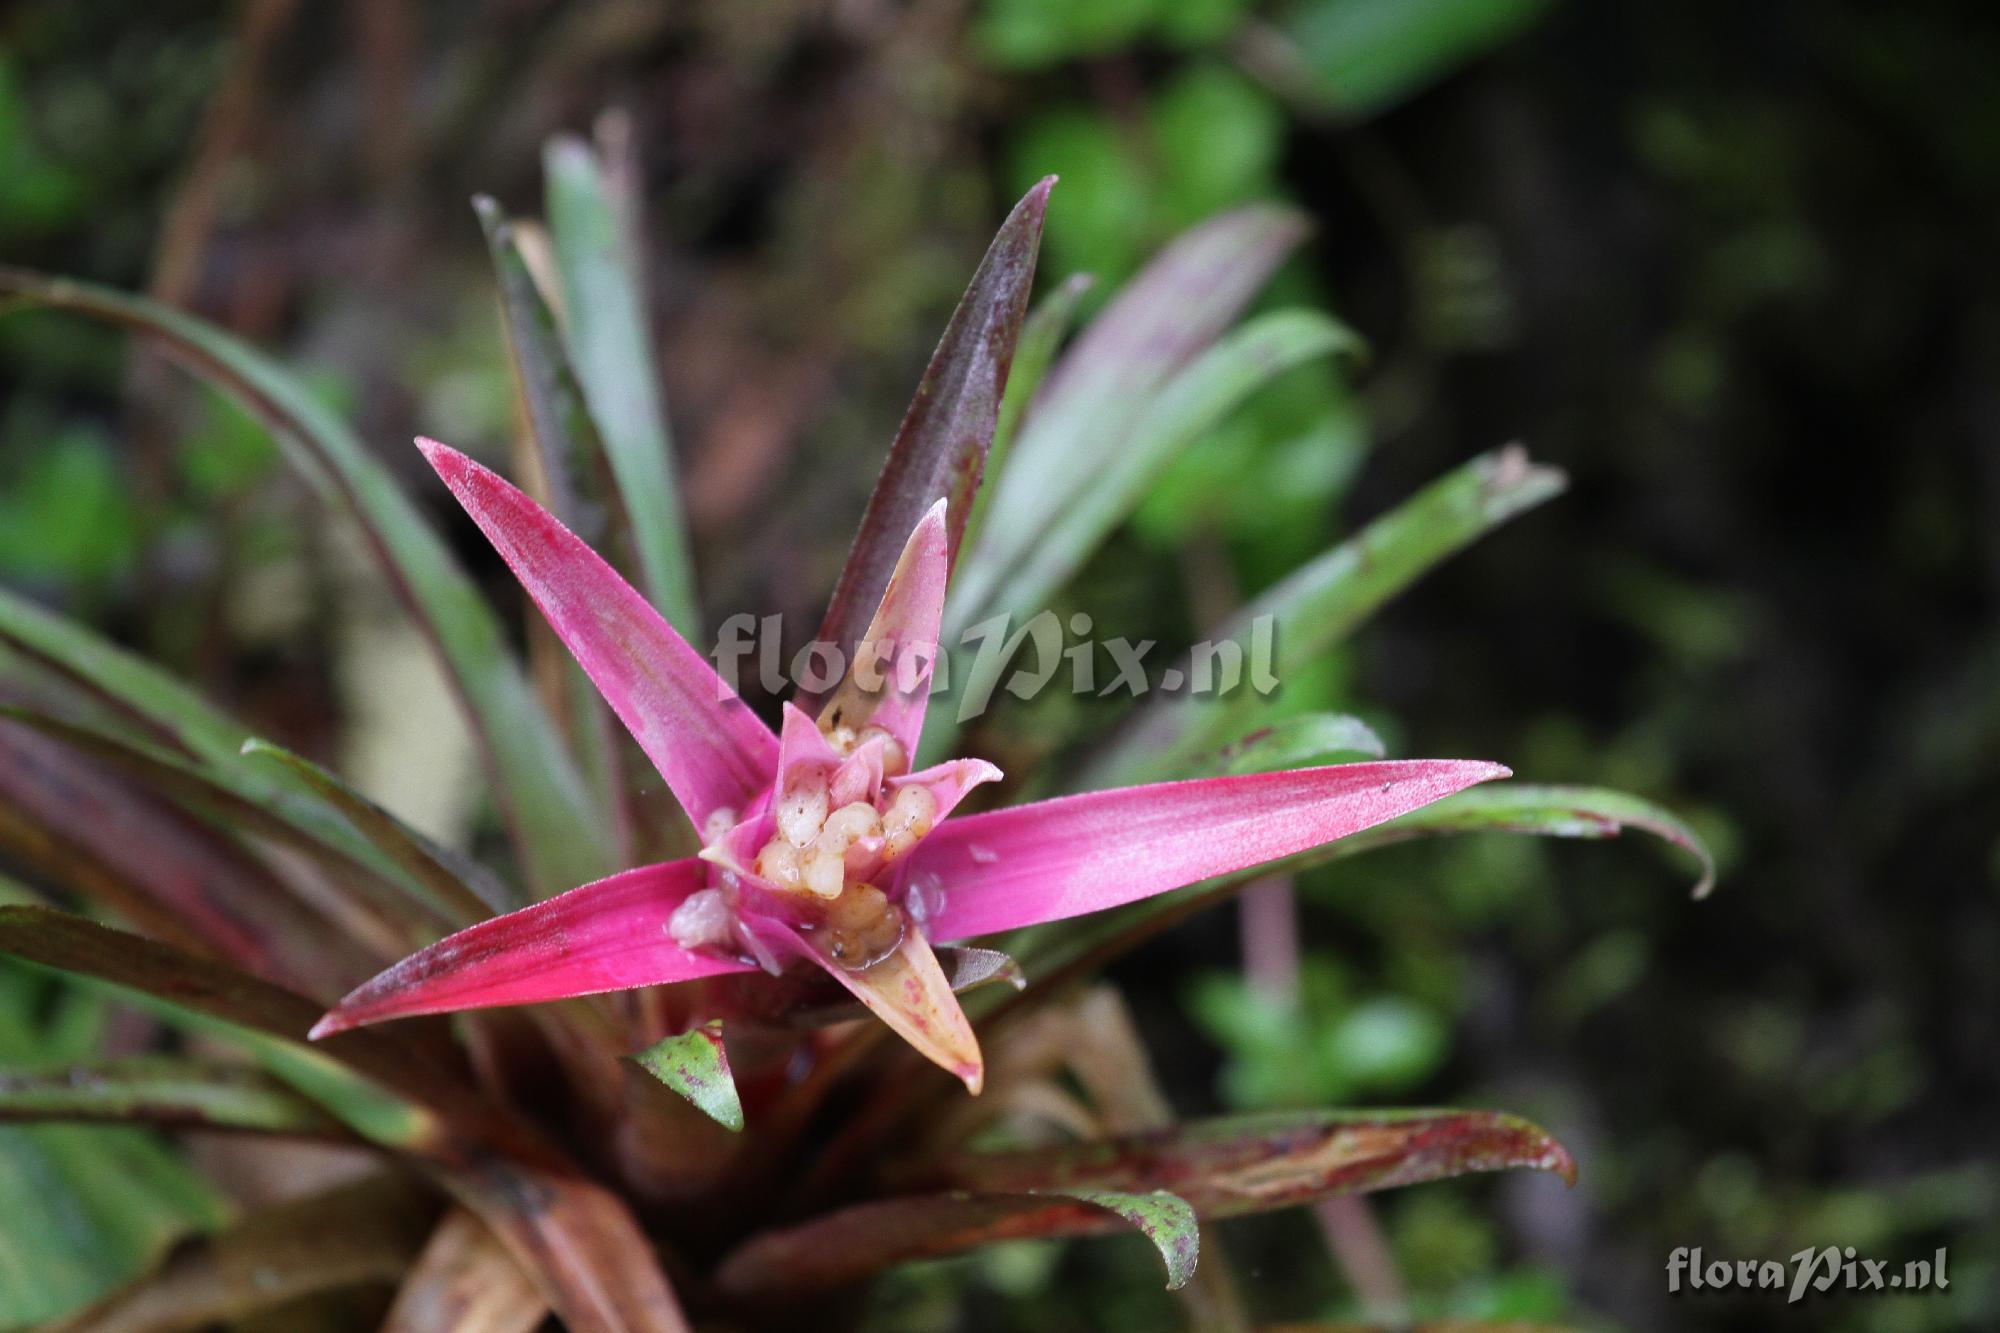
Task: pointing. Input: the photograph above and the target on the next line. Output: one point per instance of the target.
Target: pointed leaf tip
(940, 449)
(704, 740)
(695, 1064)
(1165, 1219)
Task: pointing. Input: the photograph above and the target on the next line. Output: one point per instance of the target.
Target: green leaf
(1042, 334)
(611, 348)
(1325, 600)
(573, 458)
(1165, 1219)
(1304, 741)
(164, 1090)
(1194, 400)
(1547, 811)
(561, 841)
(1105, 386)
(465, 890)
(86, 1207)
(130, 683)
(695, 1065)
(196, 989)
(1366, 55)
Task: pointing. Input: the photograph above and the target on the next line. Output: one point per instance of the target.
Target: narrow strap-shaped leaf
(940, 450)
(215, 990)
(462, 888)
(610, 935)
(712, 750)
(841, 1247)
(695, 1064)
(611, 347)
(152, 696)
(354, 1234)
(91, 831)
(1233, 1165)
(179, 717)
(1192, 402)
(536, 784)
(571, 452)
(1076, 854)
(1550, 812)
(373, 903)
(1042, 334)
(1295, 742)
(166, 1090)
(465, 1281)
(1323, 601)
(1059, 956)
(1175, 307)
(581, 1244)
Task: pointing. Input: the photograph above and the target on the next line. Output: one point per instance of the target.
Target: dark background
(1728, 265)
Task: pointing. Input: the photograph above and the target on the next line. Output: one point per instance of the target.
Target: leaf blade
(1324, 600)
(696, 1065)
(939, 452)
(534, 780)
(611, 348)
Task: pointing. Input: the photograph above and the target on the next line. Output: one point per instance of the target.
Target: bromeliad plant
(762, 1144)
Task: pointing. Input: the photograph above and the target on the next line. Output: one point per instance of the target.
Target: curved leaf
(1233, 1165)
(536, 784)
(165, 1090)
(1164, 317)
(844, 1246)
(1550, 812)
(1197, 398)
(1324, 600)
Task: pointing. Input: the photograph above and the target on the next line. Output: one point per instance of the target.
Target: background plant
(1659, 272)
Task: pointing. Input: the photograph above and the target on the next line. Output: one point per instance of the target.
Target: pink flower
(820, 845)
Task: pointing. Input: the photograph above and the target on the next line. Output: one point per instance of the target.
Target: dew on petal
(924, 896)
(720, 820)
(985, 856)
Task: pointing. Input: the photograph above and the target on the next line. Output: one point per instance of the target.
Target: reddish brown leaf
(850, 1244)
(940, 450)
(1248, 1164)
(92, 832)
(587, 1254)
(465, 1282)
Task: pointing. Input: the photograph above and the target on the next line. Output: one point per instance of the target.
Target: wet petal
(900, 650)
(610, 935)
(708, 745)
(1078, 854)
(910, 992)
